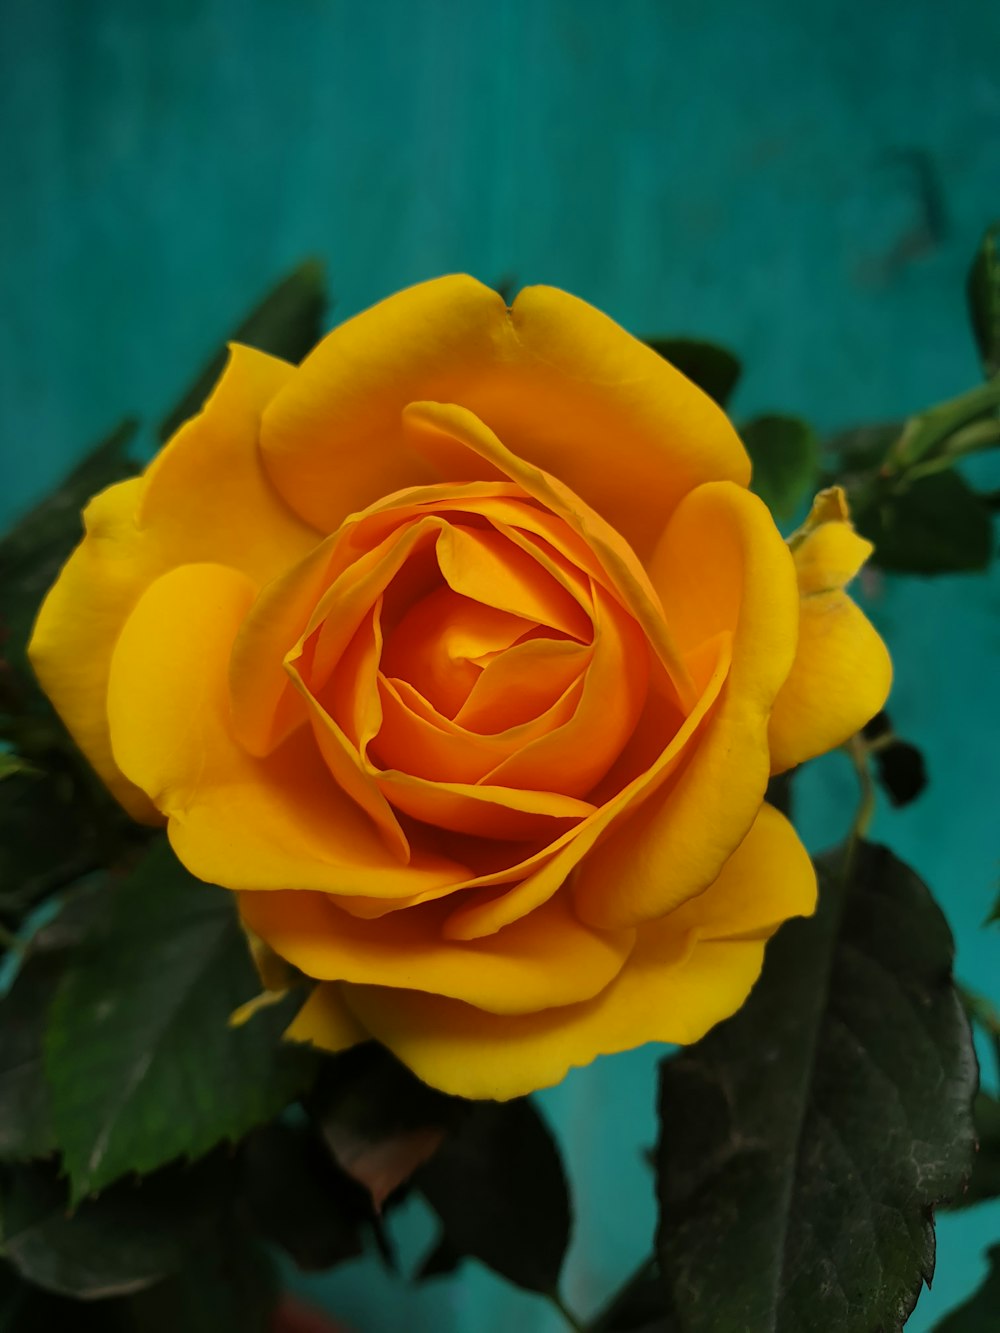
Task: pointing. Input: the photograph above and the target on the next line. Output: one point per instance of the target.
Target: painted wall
(755, 174)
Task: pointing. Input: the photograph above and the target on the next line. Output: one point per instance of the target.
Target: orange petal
(546, 959)
(325, 1021)
(484, 810)
(721, 565)
(444, 429)
(564, 386)
(659, 995)
(768, 879)
(684, 974)
(486, 567)
(540, 876)
(207, 498)
(78, 626)
(279, 822)
(842, 672)
(573, 758)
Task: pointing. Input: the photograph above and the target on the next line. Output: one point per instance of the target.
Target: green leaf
(286, 323)
(441, 1260)
(861, 449)
(377, 1118)
(117, 1244)
(25, 1118)
(298, 1199)
(32, 553)
(142, 1063)
(712, 368)
(637, 1307)
(54, 828)
(979, 1313)
(785, 456)
(25, 1308)
(227, 1287)
(805, 1141)
(498, 1186)
(985, 1181)
(935, 525)
(983, 290)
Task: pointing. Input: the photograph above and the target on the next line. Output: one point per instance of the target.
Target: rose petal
(673, 988)
(205, 497)
(246, 823)
(546, 959)
(325, 1021)
(443, 431)
(842, 671)
(574, 757)
(78, 626)
(537, 878)
(551, 359)
(721, 565)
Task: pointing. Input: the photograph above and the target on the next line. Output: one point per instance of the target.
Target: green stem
(859, 751)
(925, 433)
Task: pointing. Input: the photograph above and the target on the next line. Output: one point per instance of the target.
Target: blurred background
(802, 184)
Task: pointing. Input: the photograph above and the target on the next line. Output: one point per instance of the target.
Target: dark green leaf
(125, 1240)
(901, 771)
(985, 1181)
(25, 1119)
(712, 368)
(899, 765)
(229, 1286)
(785, 456)
(142, 1063)
(936, 525)
(52, 832)
(378, 1119)
(32, 553)
(10, 764)
(861, 449)
(299, 1200)
(287, 323)
(25, 1308)
(980, 1312)
(984, 299)
(498, 1186)
(805, 1142)
(442, 1260)
(637, 1308)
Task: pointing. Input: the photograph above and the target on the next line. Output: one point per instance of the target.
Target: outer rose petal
(78, 625)
(546, 959)
(842, 670)
(272, 823)
(721, 564)
(559, 382)
(204, 498)
(325, 1021)
(684, 975)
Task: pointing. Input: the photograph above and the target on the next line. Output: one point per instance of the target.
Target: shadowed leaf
(805, 1142)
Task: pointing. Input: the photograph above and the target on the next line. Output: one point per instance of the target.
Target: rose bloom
(463, 654)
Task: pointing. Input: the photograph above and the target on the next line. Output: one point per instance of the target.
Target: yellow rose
(464, 655)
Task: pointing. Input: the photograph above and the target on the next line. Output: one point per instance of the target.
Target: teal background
(733, 171)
